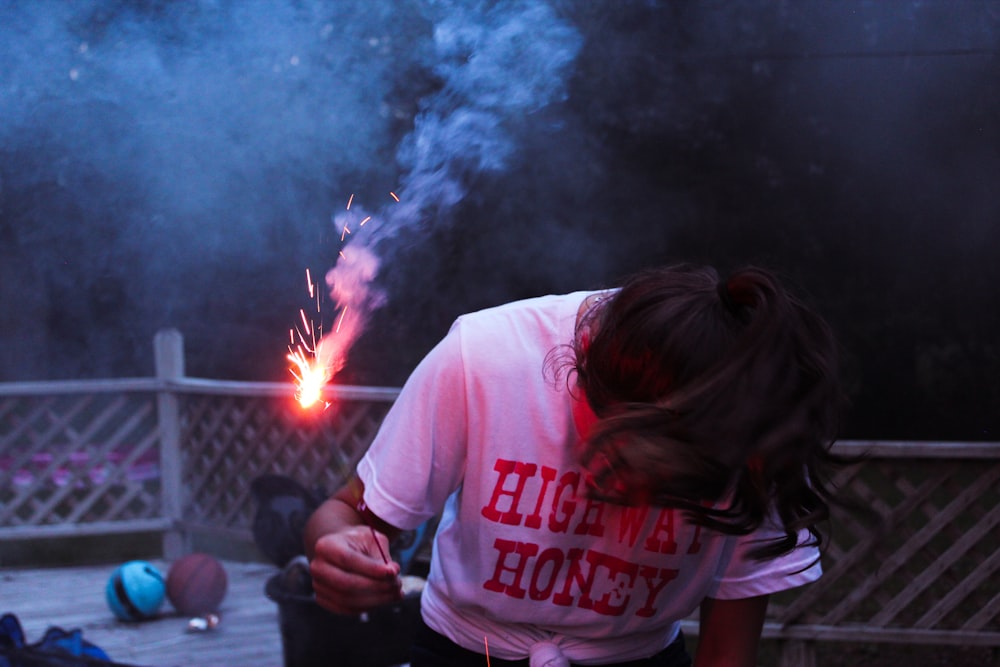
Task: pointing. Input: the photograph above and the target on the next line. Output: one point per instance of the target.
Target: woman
(604, 463)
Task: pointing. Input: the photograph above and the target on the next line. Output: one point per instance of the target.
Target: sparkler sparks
(309, 368)
(314, 358)
(310, 376)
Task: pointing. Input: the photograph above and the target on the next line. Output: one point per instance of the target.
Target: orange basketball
(196, 584)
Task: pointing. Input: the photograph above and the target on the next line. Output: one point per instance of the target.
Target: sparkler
(361, 508)
(309, 366)
(313, 357)
(381, 552)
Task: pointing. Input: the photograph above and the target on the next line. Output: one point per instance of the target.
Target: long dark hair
(710, 390)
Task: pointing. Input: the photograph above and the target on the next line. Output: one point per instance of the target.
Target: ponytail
(712, 390)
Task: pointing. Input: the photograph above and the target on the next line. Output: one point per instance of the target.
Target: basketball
(135, 591)
(196, 584)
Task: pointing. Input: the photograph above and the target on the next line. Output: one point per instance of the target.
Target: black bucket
(314, 637)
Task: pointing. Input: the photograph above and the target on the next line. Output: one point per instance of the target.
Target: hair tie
(726, 297)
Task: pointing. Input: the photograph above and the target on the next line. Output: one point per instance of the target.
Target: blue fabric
(57, 643)
(58, 640)
(11, 638)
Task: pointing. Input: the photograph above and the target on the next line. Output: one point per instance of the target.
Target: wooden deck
(247, 636)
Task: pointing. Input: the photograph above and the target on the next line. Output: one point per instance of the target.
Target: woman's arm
(729, 632)
(346, 554)
(341, 511)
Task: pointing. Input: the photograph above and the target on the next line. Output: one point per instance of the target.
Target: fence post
(168, 348)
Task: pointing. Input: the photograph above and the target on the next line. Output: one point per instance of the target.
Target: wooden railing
(176, 455)
(169, 454)
(921, 568)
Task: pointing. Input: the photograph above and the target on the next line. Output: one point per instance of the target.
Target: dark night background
(168, 164)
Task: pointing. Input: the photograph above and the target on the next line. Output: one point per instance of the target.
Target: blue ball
(135, 591)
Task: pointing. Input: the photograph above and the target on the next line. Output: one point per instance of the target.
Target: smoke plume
(494, 63)
(167, 164)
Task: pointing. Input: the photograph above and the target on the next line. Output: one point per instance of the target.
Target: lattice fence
(170, 454)
(919, 565)
(230, 440)
(78, 460)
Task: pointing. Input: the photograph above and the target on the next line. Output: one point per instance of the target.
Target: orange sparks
(310, 375)
(310, 363)
(486, 642)
(393, 195)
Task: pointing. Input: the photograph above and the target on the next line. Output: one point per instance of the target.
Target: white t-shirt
(482, 434)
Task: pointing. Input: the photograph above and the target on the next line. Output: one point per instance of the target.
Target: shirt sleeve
(743, 576)
(417, 458)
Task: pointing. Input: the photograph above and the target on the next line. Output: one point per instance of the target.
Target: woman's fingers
(349, 573)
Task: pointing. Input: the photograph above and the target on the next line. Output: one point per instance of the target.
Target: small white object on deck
(73, 598)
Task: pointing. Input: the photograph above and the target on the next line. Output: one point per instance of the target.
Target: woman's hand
(349, 573)
(347, 556)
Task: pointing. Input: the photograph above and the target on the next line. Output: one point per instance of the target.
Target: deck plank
(248, 634)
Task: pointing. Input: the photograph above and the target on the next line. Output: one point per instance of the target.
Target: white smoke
(497, 63)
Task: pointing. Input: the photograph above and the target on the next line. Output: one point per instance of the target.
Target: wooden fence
(169, 454)
(922, 570)
(176, 455)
